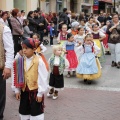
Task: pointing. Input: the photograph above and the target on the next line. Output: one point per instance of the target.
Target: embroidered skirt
(72, 59)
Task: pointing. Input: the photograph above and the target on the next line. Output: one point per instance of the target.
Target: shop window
(86, 1)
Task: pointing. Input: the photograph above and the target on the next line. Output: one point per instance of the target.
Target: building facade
(48, 5)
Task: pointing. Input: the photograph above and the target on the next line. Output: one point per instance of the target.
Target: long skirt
(91, 76)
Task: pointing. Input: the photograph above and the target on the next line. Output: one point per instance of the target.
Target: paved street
(98, 101)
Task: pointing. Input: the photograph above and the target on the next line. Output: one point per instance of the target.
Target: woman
(114, 40)
(32, 24)
(17, 30)
(3, 18)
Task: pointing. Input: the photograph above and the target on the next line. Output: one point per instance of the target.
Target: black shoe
(85, 80)
(118, 65)
(113, 64)
(89, 82)
(107, 53)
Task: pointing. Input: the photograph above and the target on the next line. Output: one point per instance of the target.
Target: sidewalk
(73, 104)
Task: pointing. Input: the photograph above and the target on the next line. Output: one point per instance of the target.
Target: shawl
(18, 69)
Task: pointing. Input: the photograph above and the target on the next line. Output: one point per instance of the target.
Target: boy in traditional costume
(30, 78)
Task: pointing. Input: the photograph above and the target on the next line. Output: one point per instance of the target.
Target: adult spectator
(23, 14)
(8, 19)
(102, 18)
(6, 60)
(42, 26)
(114, 40)
(3, 18)
(49, 17)
(19, 17)
(17, 30)
(63, 18)
(108, 17)
(32, 23)
(0, 13)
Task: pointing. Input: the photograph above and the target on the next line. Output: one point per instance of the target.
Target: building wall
(6, 5)
(28, 5)
(20, 4)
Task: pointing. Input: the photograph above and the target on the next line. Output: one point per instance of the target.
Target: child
(42, 48)
(69, 47)
(98, 37)
(89, 66)
(105, 41)
(79, 38)
(74, 29)
(32, 84)
(82, 24)
(57, 66)
(52, 33)
(62, 36)
(27, 32)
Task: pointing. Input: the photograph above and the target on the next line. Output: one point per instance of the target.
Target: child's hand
(39, 99)
(18, 96)
(79, 43)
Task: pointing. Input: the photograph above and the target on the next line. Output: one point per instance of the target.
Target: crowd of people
(82, 42)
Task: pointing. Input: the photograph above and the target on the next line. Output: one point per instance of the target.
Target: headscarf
(75, 24)
(30, 43)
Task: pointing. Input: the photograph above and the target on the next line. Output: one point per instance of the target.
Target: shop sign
(95, 7)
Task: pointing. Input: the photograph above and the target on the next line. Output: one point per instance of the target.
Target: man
(42, 26)
(23, 14)
(63, 18)
(102, 18)
(6, 59)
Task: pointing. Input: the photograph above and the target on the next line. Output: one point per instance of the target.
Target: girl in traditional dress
(30, 78)
(40, 49)
(62, 36)
(57, 65)
(98, 37)
(79, 38)
(105, 41)
(74, 29)
(89, 66)
(71, 56)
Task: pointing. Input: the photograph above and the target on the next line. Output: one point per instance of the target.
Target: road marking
(94, 88)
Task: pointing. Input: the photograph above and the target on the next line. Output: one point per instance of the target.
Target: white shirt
(42, 76)
(80, 38)
(8, 46)
(57, 61)
(4, 22)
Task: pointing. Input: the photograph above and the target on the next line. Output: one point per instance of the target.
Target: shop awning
(108, 1)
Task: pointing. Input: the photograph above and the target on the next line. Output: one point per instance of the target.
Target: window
(86, 1)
